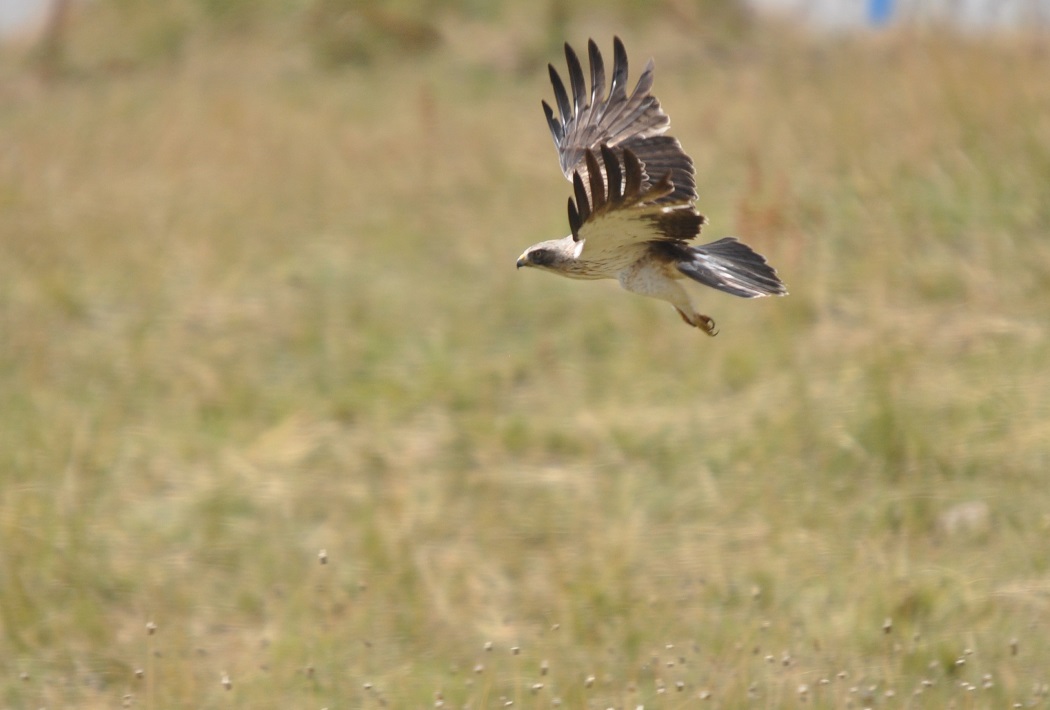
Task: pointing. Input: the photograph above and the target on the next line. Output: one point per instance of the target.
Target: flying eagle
(633, 216)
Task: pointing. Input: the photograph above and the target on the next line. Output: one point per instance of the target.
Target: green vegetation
(258, 301)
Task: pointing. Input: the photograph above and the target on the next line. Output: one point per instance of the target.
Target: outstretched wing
(621, 122)
(616, 211)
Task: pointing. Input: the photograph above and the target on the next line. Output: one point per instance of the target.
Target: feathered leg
(655, 279)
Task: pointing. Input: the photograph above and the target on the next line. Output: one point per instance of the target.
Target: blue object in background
(880, 11)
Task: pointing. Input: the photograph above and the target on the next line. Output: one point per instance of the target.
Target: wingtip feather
(619, 81)
(560, 96)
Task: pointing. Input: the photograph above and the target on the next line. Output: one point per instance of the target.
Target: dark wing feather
(613, 186)
(597, 73)
(588, 120)
(598, 189)
(575, 222)
(613, 174)
(633, 169)
(560, 96)
(553, 123)
(619, 80)
(576, 80)
(581, 197)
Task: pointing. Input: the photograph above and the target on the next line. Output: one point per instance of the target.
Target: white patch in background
(968, 14)
(21, 15)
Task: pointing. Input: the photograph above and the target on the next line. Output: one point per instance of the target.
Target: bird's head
(553, 255)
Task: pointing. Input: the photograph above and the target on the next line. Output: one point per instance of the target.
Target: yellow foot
(706, 324)
(698, 320)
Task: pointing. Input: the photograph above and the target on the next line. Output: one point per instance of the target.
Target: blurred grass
(252, 309)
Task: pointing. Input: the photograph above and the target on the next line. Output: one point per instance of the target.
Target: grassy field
(257, 314)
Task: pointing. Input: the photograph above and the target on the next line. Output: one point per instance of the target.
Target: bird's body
(633, 215)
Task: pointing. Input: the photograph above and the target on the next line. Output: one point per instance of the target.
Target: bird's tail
(732, 266)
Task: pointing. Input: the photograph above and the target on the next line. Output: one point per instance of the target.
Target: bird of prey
(633, 216)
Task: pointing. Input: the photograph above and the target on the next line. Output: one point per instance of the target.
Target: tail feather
(731, 266)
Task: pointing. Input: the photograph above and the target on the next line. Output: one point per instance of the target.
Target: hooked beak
(522, 261)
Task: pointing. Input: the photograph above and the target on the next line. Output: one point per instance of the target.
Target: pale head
(555, 255)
